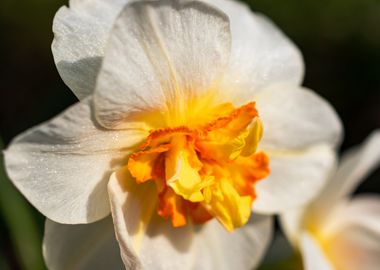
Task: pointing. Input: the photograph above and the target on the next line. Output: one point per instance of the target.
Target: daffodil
(191, 118)
(335, 231)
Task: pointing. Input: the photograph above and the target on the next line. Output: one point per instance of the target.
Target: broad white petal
(291, 222)
(62, 166)
(261, 55)
(160, 54)
(80, 35)
(89, 246)
(300, 130)
(313, 256)
(356, 242)
(146, 241)
(241, 249)
(296, 118)
(295, 178)
(355, 166)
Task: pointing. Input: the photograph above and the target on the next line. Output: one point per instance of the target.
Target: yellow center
(205, 170)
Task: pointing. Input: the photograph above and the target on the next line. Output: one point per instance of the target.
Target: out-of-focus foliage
(340, 41)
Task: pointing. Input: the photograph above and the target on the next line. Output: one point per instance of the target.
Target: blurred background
(340, 41)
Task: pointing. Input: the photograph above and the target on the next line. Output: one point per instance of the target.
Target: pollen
(205, 171)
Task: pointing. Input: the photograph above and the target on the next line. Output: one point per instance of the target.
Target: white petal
(80, 35)
(295, 178)
(150, 242)
(363, 210)
(146, 241)
(89, 246)
(291, 222)
(261, 55)
(160, 54)
(356, 243)
(355, 166)
(313, 256)
(242, 249)
(62, 166)
(296, 118)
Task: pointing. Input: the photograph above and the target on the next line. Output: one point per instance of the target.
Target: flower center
(205, 171)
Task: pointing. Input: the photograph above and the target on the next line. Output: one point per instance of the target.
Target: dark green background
(340, 41)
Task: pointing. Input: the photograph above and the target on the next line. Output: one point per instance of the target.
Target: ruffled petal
(261, 55)
(80, 35)
(90, 246)
(295, 179)
(146, 240)
(160, 55)
(241, 249)
(62, 167)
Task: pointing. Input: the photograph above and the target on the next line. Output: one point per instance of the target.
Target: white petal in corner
(146, 241)
(80, 35)
(242, 249)
(86, 247)
(295, 178)
(149, 242)
(62, 167)
(160, 54)
(296, 118)
(355, 166)
(356, 244)
(261, 54)
(313, 256)
(291, 221)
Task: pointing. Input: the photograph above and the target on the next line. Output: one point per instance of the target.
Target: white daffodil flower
(336, 232)
(191, 117)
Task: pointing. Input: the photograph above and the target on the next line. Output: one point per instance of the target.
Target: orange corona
(205, 171)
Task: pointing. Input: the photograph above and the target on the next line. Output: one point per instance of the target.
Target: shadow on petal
(86, 69)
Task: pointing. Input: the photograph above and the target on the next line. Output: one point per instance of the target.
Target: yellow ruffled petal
(181, 175)
(142, 164)
(172, 206)
(205, 171)
(231, 209)
(229, 136)
(253, 137)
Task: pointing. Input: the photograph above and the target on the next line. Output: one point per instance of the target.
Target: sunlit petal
(80, 35)
(261, 55)
(295, 118)
(145, 239)
(159, 55)
(63, 166)
(295, 179)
